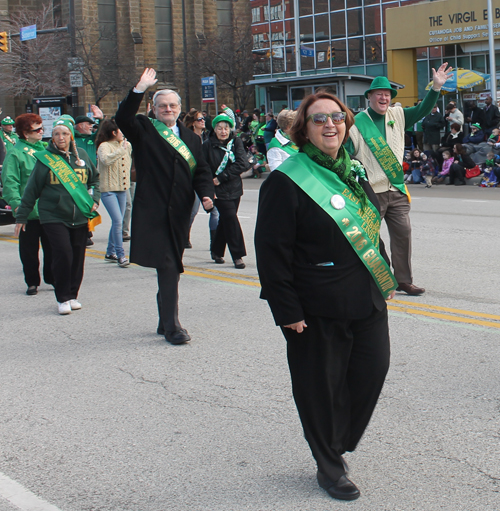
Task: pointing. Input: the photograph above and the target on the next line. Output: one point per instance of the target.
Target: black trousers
(338, 369)
(229, 230)
(29, 247)
(457, 173)
(68, 258)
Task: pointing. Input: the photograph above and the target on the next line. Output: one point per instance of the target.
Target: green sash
(167, 134)
(69, 179)
(289, 148)
(360, 227)
(381, 150)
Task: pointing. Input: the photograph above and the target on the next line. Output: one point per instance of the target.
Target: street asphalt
(99, 413)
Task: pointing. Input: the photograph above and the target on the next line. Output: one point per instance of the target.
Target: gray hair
(164, 92)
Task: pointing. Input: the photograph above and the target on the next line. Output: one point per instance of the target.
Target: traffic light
(4, 42)
(330, 54)
(374, 53)
(333, 54)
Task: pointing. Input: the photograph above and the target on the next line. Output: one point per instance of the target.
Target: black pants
(68, 258)
(338, 369)
(229, 230)
(457, 174)
(29, 247)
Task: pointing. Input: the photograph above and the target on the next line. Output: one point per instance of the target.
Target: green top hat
(8, 121)
(381, 82)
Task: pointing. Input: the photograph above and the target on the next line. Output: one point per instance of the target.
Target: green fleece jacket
(9, 139)
(55, 204)
(17, 168)
(87, 143)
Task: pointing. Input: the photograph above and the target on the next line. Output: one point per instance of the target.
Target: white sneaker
(64, 307)
(123, 262)
(75, 305)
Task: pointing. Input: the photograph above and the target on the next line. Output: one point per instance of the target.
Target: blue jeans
(115, 203)
(213, 221)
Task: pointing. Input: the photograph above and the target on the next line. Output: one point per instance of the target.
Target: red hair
(24, 123)
(298, 132)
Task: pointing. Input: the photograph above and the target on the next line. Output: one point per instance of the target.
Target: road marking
(405, 307)
(21, 497)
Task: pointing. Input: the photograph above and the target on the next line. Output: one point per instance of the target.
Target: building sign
(440, 23)
(208, 89)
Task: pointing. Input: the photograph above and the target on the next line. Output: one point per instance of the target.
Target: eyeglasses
(38, 130)
(320, 119)
(200, 119)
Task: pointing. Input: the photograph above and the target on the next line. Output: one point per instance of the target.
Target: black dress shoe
(343, 489)
(160, 330)
(177, 336)
(188, 244)
(411, 289)
(32, 290)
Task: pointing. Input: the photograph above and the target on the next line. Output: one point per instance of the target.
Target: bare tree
(102, 69)
(228, 56)
(37, 67)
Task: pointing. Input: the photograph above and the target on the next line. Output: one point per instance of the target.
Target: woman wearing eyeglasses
(325, 274)
(195, 121)
(17, 168)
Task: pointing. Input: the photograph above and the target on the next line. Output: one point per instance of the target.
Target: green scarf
(341, 166)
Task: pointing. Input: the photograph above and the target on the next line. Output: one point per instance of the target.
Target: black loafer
(217, 259)
(343, 489)
(177, 337)
(239, 264)
(160, 330)
(32, 290)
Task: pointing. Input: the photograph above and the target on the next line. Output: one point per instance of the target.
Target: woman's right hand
(298, 327)
(18, 228)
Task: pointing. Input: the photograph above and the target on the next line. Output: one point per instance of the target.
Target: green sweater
(55, 204)
(87, 143)
(17, 168)
(412, 115)
(9, 144)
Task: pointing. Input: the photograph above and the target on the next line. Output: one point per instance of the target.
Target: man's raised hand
(148, 79)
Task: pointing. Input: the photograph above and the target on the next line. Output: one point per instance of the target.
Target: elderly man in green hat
(9, 138)
(378, 140)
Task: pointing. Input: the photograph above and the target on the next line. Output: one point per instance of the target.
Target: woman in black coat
(461, 162)
(226, 157)
(316, 272)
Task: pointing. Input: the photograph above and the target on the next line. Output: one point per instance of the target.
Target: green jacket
(55, 204)
(87, 143)
(17, 168)
(9, 144)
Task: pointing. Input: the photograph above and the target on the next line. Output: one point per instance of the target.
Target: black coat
(164, 193)
(230, 187)
(432, 125)
(491, 117)
(292, 235)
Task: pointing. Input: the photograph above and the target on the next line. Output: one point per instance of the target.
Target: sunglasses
(38, 130)
(320, 119)
(200, 119)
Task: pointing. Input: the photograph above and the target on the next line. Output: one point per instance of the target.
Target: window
(255, 14)
(106, 12)
(224, 13)
(355, 22)
(164, 43)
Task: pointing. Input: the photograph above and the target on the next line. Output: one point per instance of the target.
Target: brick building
(125, 36)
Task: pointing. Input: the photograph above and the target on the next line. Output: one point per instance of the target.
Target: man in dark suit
(491, 117)
(170, 168)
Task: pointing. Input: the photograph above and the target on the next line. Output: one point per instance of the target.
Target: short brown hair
(456, 126)
(298, 130)
(190, 117)
(24, 122)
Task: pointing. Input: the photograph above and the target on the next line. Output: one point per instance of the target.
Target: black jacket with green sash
(165, 188)
(294, 237)
(55, 204)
